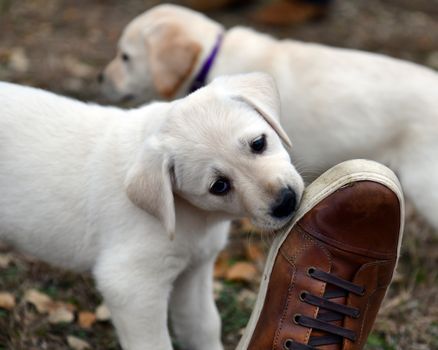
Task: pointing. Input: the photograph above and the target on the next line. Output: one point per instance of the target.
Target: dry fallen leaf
(218, 287)
(103, 313)
(7, 301)
(57, 310)
(61, 315)
(86, 319)
(42, 302)
(221, 265)
(18, 60)
(246, 298)
(242, 271)
(254, 253)
(77, 343)
(5, 260)
(77, 68)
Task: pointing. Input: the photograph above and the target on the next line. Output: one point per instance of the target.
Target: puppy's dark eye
(258, 145)
(125, 57)
(220, 187)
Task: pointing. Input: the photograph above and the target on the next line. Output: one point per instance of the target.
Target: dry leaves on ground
(77, 344)
(102, 313)
(242, 271)
(7, 301)
(86, 319)
(61, 315)
(5, 260)
(45, 304)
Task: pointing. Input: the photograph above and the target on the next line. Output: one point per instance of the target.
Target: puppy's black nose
(100, 78)
(285, 205)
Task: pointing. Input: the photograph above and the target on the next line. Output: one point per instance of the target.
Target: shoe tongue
(344, 268)
(316, 334)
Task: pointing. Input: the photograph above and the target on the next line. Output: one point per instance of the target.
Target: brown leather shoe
(290, 12)
(211, 5)
(326, 276)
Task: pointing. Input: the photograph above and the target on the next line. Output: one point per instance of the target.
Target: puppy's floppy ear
(172, 56)
(259, 91)
(149, 185)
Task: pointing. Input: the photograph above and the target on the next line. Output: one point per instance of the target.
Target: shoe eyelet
(303, 295)
(356, 314)
(310, 271)
(296, 318)
(363, 291)
(288, 343)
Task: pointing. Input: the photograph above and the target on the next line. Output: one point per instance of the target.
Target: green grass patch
(378, 342)
(234, 314)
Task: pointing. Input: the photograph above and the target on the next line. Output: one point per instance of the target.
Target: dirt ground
(61, 45)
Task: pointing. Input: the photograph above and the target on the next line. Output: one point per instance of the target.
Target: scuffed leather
(353, 233)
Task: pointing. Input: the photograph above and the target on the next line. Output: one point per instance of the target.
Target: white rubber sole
(332, 180)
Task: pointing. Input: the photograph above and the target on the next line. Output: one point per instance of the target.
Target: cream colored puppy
(337, 104)
(144, 197)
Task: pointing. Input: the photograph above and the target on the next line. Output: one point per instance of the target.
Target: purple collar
(201, 78)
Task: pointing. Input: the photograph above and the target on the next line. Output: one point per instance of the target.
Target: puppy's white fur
(337, 104)
(90, 187)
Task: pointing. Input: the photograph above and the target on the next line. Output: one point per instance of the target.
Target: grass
(235, 313)
(408, 319)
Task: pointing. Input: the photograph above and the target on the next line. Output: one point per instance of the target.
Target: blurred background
(62, 45)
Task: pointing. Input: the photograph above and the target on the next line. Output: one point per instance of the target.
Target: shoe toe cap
(364, 217)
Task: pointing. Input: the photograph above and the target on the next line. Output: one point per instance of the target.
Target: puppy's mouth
(270, 225)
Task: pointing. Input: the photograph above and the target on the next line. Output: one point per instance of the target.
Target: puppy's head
(157, 55)
(221, 149)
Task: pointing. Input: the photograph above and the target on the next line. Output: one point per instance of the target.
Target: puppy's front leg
(195, 318)
(136, 287)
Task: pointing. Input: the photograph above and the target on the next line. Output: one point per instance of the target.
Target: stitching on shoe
(374, 263)
(324, 285)
(283, 316)
(292, 261)
(366, 313)
(311, 242)
(346, 247)
(362, 268)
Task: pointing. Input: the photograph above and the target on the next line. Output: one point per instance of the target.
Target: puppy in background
(144, 198)
(337, 104)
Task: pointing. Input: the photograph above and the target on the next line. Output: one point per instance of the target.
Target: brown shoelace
(329, 311)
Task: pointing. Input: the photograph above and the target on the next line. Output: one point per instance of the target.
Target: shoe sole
(332, 180)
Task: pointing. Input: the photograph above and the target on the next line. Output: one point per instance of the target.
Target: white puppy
(337, 104)
(144, 197)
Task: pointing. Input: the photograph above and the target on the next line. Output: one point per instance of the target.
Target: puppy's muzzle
(285, 205)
